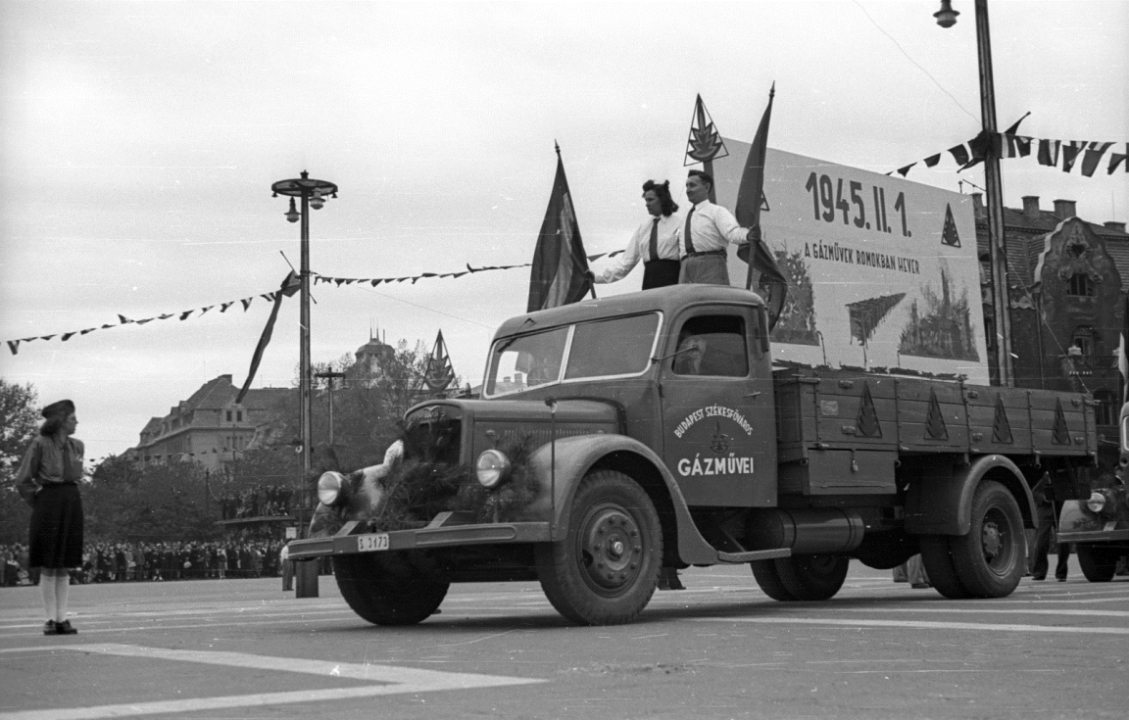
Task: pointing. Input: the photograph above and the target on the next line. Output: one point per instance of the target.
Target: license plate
(372, 543)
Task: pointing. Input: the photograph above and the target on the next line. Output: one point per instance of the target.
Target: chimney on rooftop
(1031, 206)
(1064, 209)
(1114, 225)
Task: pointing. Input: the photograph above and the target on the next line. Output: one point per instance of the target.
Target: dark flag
(773, 284)
(290, 285)
(560, 267)
(440, 373)
(986, 142)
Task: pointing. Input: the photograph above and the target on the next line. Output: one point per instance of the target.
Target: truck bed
(842, 431)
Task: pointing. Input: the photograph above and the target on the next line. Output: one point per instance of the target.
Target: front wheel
(1098, 563)
(991, 558)
(605, 571)
(400, 588)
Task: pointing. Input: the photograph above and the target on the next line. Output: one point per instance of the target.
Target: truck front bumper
(435, 535)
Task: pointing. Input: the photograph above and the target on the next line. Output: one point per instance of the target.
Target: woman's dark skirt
(56, 527)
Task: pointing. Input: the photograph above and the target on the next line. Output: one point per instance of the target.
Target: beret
(63, 407)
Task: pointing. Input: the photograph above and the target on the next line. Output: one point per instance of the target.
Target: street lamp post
(313, 194)
(997, 252)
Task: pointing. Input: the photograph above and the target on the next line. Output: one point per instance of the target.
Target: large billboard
(882, 272)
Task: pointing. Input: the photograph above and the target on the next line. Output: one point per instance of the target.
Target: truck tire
(1098, 563)
(991, 559)
(764, 571)
(605, 571)
(389, 588)
(813, 577)
(937, 557)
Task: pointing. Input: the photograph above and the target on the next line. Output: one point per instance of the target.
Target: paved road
(720, 649)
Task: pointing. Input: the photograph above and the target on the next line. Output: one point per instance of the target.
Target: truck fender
(940, 501)
(576, 456)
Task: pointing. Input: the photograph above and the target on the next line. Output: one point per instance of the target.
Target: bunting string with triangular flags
(1050, 153)
(14, 345)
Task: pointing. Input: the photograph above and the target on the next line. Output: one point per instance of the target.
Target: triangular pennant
(960, 154)
(1070, 154)
(246, 303)
(46, 337)
(124, 320)
(867, 420)
(142, 322)
(184, 315)
(1116, 159)
(206, 309)
(226, 305)
(376, 282)
(165, 316)
(1001, 428)
(269, 297)
(704, 143)
(339, 281)
(932, 160)
(14, 346)
(66, 336)
(935, 428)
(949, 235)
(903, 171)
(87, 330)
(1060, 436)
(1048, 152)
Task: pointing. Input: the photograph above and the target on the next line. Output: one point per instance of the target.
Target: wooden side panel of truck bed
(841, 431)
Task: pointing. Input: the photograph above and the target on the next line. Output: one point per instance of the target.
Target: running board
(751, 555)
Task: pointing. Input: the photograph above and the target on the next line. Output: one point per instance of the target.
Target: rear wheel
(991, 558)
(390, 588)
(813, 577)
(937, 557)
(766, 575)
(605, 571)
(1098, 563)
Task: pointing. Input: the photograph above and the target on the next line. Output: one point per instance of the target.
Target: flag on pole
(560, 267)
(290, 285)
(440, 373)
(773, 284)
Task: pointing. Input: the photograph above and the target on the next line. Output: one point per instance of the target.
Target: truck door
(719, 436)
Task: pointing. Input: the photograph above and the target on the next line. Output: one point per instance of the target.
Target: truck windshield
(616, 347)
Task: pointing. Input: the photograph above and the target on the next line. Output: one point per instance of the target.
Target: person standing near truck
(707, 233)
(1048, 511)
(655, 242)
(48, 481)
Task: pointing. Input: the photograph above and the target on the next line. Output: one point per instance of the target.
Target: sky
(139, 142)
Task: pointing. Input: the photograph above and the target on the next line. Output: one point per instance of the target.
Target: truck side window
(712, 345)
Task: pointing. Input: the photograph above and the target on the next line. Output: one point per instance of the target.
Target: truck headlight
(1097, 502)
(329, 487)
(492, 468)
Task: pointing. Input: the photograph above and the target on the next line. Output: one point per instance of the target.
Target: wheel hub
(612, 548)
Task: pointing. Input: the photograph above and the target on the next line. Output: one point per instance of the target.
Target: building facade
(1067, 281)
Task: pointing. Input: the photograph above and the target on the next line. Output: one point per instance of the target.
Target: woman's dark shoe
(64, 628)
(49, 628)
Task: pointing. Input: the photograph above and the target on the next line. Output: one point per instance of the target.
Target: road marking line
(985, 611)
(393, 680)
(926, 625)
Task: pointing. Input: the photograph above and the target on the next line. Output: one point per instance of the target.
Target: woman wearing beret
(48, 480)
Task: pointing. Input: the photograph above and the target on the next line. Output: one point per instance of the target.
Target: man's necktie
(653, 247)
(689, 242)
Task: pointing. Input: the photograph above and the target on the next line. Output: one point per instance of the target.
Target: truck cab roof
(666, 300)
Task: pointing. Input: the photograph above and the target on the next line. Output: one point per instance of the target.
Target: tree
(18, 427)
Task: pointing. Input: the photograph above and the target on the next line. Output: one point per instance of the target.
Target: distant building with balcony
(209, 427)
(1067, 281)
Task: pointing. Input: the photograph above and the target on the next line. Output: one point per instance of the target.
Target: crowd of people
(259, 501)
(156, 561)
